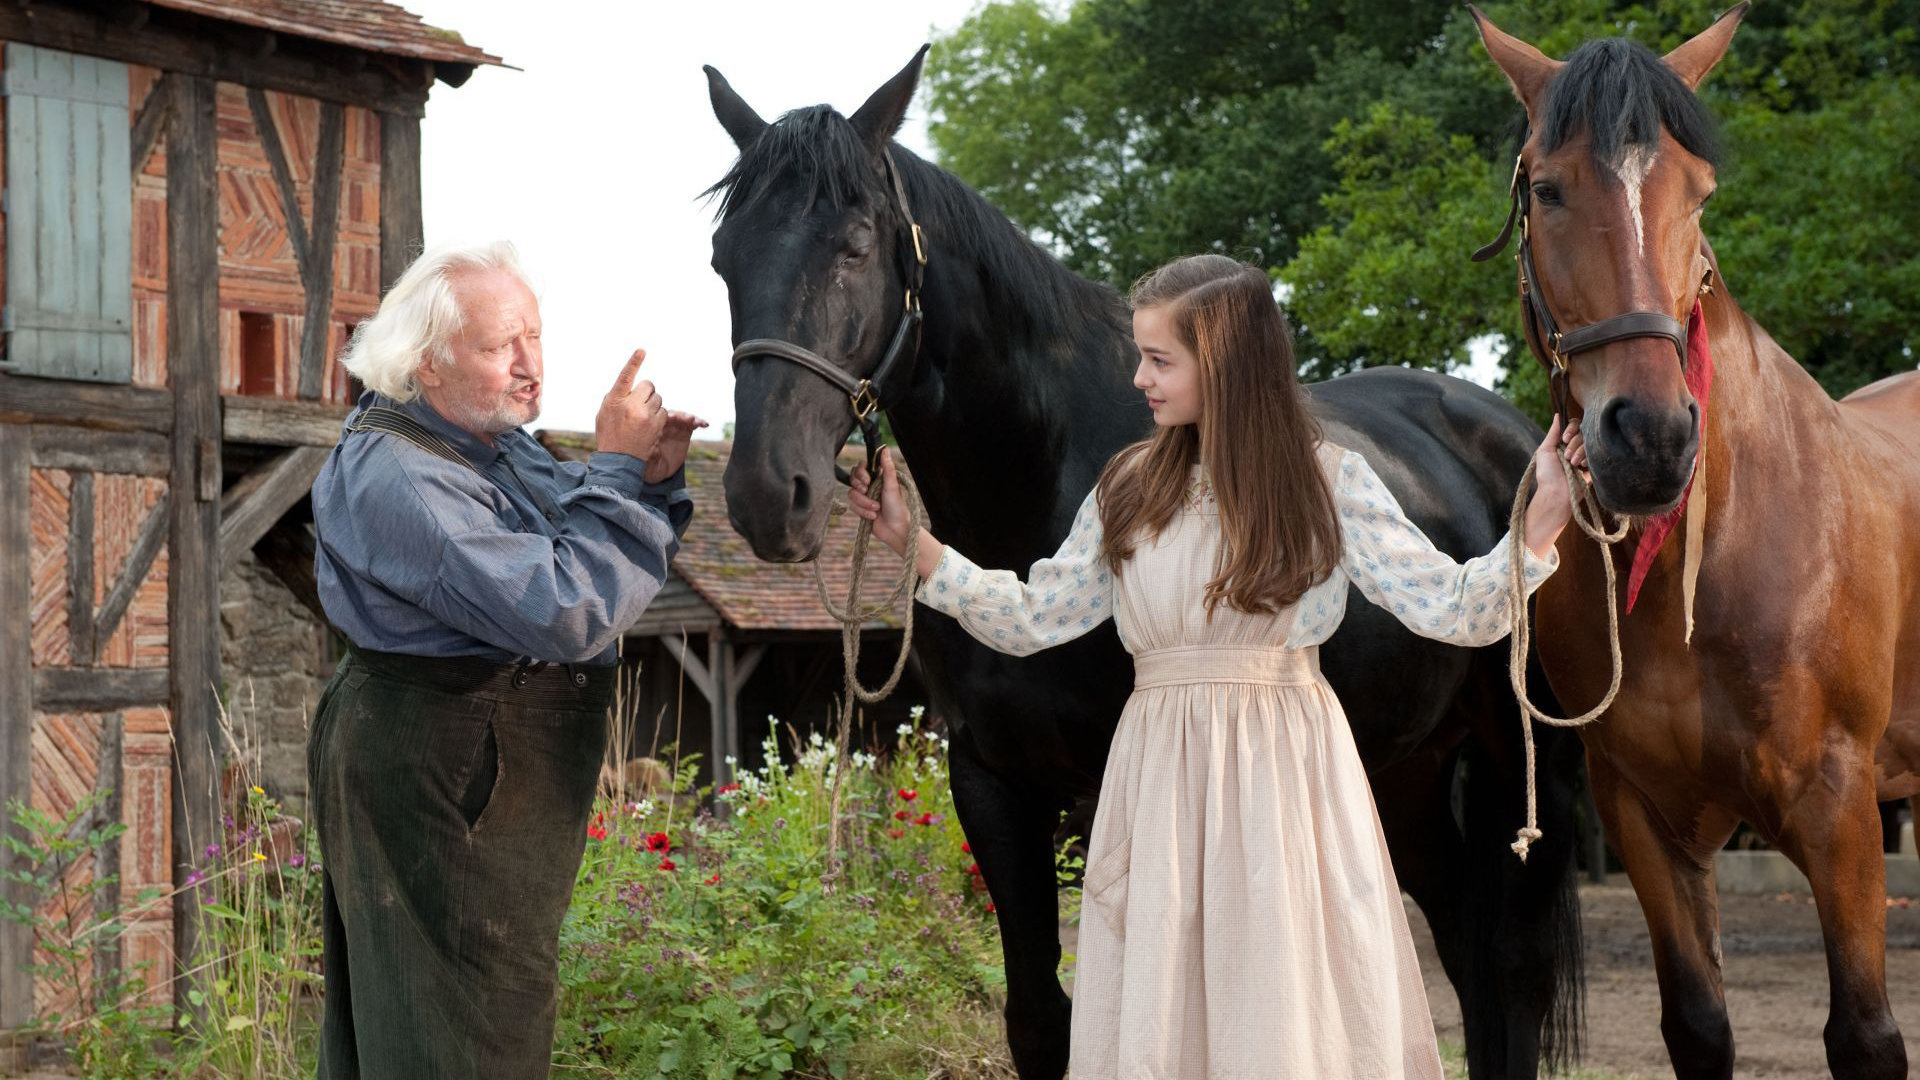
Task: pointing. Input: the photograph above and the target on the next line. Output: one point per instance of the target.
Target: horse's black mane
(819, 150)
(1623, 94)
(816, 144)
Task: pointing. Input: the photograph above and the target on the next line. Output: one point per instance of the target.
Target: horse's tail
(1531, 936)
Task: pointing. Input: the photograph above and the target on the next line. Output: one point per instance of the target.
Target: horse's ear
(1528, 69)
(733, 111)
(1692, 60)
(880, 117)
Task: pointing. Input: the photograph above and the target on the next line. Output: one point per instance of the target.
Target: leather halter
(864, 394)
(1551, 344)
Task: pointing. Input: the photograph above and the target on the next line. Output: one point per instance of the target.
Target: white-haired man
(483, 587)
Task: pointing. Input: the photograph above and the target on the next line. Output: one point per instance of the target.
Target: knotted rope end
(1525, 841)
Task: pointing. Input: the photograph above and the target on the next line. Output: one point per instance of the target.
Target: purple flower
(195, 878)
(213, 851)
(297, 861)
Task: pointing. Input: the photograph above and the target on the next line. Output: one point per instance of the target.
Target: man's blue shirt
(527, 558)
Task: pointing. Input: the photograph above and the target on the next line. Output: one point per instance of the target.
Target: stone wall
(275, 657)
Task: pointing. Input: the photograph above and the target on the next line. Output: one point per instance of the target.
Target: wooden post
(193, 584)
(16, 702)
(739, 670)
(721, 702)
(106, 902)
(401, 229)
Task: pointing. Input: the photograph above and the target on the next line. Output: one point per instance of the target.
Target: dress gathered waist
(1187, 664)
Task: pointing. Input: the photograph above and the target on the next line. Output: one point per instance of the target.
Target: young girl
(1240, 917)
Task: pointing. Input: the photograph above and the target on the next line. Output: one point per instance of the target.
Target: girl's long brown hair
(1279, 536)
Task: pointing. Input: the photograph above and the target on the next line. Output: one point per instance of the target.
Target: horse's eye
(1548, 194)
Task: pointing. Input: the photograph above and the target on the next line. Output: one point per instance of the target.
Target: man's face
(493, 384)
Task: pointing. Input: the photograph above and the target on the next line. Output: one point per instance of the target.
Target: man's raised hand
(632, 419)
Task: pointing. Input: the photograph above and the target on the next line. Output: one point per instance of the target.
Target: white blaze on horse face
(1634, 164)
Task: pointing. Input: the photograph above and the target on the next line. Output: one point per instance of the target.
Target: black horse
(1015, 393)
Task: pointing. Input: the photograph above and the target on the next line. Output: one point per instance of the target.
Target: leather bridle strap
(863, 395)
(1544, 335)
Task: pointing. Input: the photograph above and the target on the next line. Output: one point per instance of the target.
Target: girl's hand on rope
(891, 524)
(1552, 505)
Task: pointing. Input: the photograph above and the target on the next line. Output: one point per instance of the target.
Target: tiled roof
(721, 567)
(373, 25)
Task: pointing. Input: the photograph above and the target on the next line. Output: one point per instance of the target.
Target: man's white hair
(419, 317)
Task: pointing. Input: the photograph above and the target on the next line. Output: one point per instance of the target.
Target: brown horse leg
(1673, 878)
(1832, 832)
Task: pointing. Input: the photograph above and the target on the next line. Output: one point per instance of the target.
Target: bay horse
(1008, 384)
(1796, 704)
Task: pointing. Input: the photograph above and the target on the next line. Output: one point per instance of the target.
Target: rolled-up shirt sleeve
(565, 598)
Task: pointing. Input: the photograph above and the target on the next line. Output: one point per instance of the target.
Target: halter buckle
(911, 301)
(919, 245)
(864, 400)
(1553, 351)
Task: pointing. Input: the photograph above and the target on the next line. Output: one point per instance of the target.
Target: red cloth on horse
(1699, 376)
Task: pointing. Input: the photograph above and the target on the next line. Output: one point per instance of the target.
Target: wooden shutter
(69, 217)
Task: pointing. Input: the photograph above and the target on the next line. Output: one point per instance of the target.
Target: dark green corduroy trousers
(451, 799)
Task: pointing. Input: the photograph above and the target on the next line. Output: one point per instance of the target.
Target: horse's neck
(1020, 391)
(1759, 392)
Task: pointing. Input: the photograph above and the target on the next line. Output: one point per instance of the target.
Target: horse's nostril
(802, 496)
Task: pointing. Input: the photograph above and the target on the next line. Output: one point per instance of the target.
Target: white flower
(644, 807)
(730, 760)
(917, 712)
(906, 729)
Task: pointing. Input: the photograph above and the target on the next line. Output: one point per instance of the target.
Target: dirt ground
(1776, 978)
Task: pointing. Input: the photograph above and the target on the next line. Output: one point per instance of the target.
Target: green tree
(1361, 149)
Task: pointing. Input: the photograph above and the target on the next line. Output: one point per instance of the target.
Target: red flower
(715, 879)
(667, 864)
(597, 831)
(974, 869)
(658, 843)
(902, 815)
(726, 789)
(990, 908)
(924, 819)
(908, 794)
(896, 833)
(966, 848)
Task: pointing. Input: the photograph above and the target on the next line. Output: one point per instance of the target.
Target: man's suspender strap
(394, 422)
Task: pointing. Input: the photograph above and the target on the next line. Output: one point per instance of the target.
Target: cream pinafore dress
(1240, 918)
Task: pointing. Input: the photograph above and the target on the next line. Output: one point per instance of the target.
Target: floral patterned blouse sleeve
(1063, 597)
(1398, 568)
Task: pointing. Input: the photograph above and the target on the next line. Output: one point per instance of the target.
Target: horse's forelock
(815, 149)
(1622, 95)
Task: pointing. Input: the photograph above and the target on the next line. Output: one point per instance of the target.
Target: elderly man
(483, 587)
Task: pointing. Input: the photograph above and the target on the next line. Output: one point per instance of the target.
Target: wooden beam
(16, 705)
(696, 671)
(721, 709)
(25, 399)
(136, 453)
(80, 637)
(743, 667)
(287, 551)
(97, 689)
(329, 160)
(193, 580)
(150, 124)
(106, 863)
(188, 44)
(401, 228)
(271, 422)
(256, 503)
(146, 547)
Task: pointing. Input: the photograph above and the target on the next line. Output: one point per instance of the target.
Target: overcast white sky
(591, 157)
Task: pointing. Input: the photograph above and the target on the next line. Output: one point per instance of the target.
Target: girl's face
(1169, 373)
